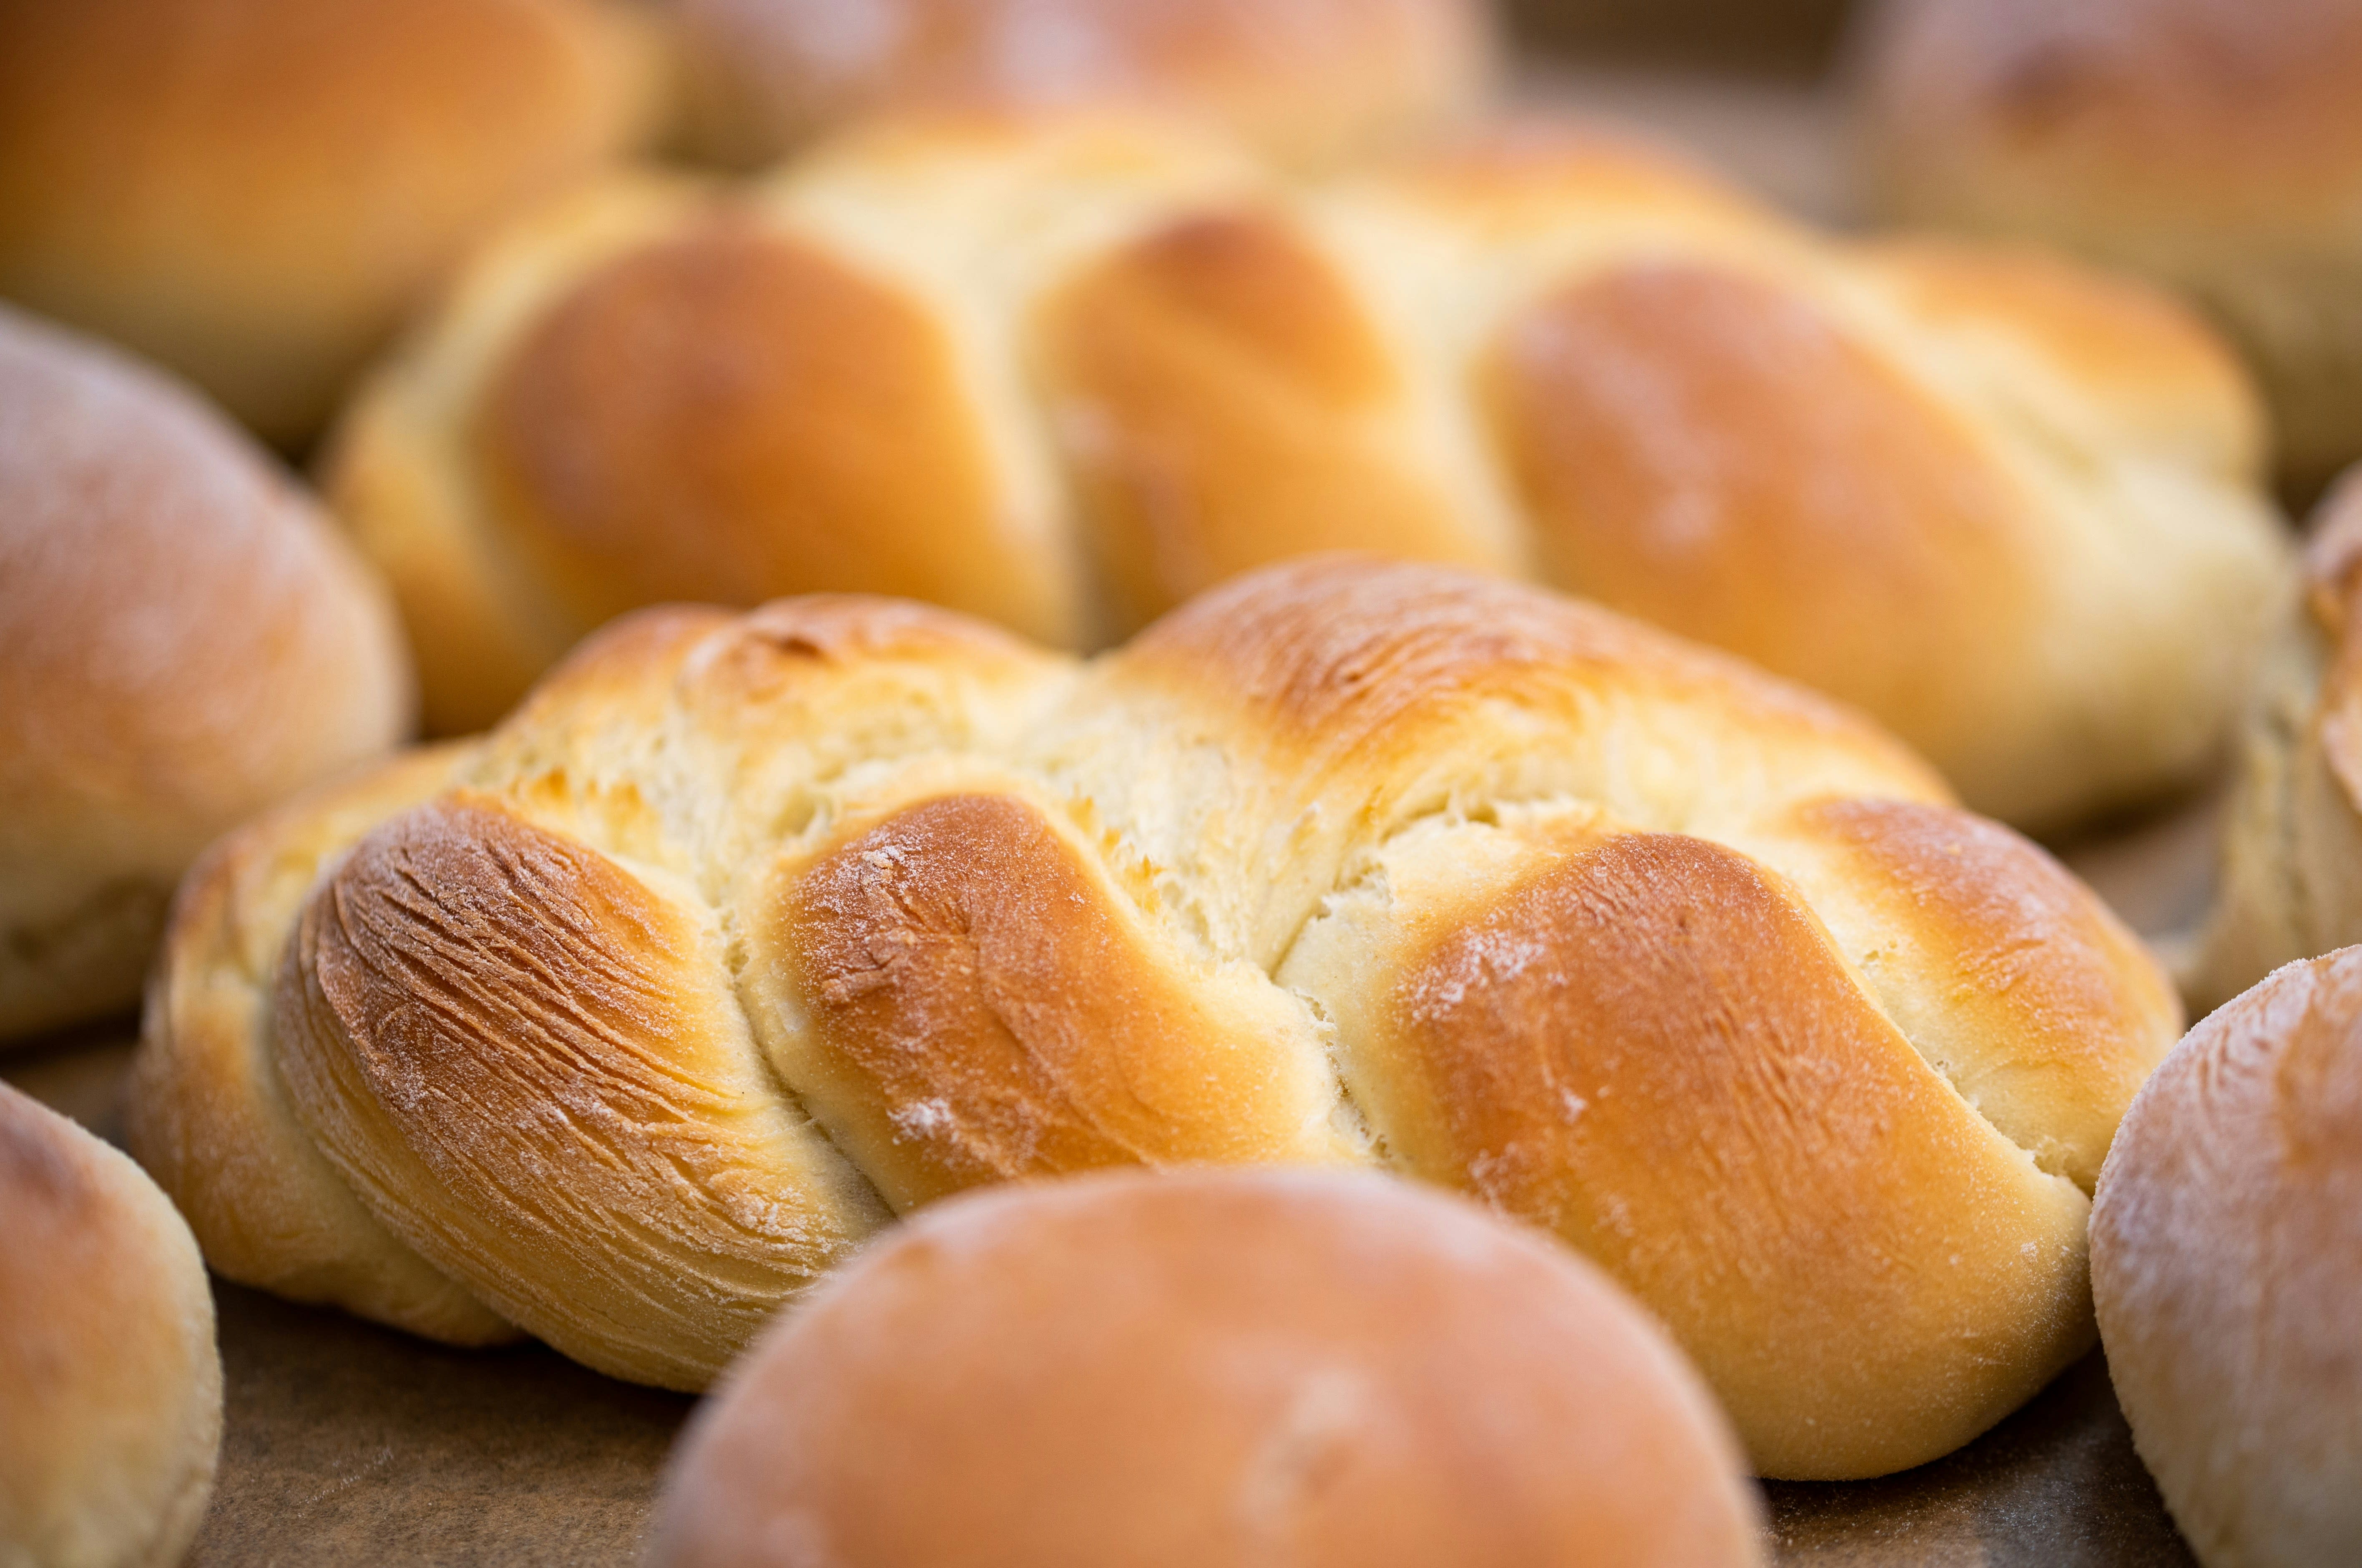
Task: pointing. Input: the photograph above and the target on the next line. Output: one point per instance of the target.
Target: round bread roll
(1065, 372)
(2290, 880)
(183, 638)
(2216, 145)
(2226, 1261)
(1216, 1370)
(1308, 82)
(747, 933)
(254, 192)
(110, 1386)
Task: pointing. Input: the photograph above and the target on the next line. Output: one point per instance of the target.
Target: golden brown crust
(530, 1066)
(1216, 1370)
(206, 1113)
(794, 424)
(1712, 452)
(1186, 371)
(982, 913)
(110, 1386)
(2223, 1258)
(183, 639)
(931, 960)
(2053, 1013)
(1310, 82)
(1121, 366)
(181, 175)
(1641, 1005)
(1350, 656)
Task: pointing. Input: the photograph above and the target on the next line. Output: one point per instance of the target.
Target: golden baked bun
(110, 1386)
(748, 932)
(2213, 144)
(2290, 880)
(1211, 1370)
(1308, 83)
(2226, 1259)
(255, 192)
(183, 638)
(1066, 372)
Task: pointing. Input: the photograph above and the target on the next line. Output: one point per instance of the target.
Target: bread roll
(1065, 372)
(2213, 144)
(2226, 1259)
(254, 192)
(746, 933)
(1309, 82)
(1211, 1369)
(2290, 883)
(110, 1386)
(183, 638)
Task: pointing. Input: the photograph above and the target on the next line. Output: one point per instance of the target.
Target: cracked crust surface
(755, 929)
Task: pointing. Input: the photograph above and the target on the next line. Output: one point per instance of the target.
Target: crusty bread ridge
(110, 1385)
(1065, 371)
(184, 638)
(1213, 1369)
(747, 932)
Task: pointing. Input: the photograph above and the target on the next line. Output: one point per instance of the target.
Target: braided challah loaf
(746, 933)
(1063, 373)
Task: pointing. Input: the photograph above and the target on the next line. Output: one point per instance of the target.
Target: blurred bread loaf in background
(2227, 1260)
(255, 192)
(1064, 370)
(2290, 880)
(110, 1385)
(184, 638)
(1212, 1370)
(2215, 144)
(1306, 83)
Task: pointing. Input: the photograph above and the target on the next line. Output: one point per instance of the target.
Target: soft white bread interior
(110, 1385)
(1065, 371)
(1310, 83)
(1212, 1370)
(2227, 1260)
(184, 638)
(255, 192)
(746, 933)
